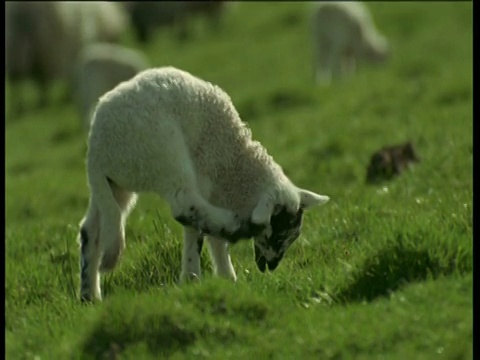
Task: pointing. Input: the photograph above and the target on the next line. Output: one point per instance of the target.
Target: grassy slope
(379, 271)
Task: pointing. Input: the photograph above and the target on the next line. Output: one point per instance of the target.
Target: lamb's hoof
(190, 278)
(86, 299)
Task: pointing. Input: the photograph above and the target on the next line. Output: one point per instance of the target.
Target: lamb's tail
(111, 236)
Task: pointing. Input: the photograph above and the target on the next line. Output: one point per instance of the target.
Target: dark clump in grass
(28, 212)
(333, 149)
(250, 109)
(274, 100)
(287, 99)
(391, 268)
(291, 19)
(21, 169)
(453, 96)
(62, 136)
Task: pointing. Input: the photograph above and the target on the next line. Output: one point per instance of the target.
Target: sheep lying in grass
(101, 67)
(169, 132)
(343, 33)
(43, 39)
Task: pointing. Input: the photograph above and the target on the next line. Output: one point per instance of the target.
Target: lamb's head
(282, 225)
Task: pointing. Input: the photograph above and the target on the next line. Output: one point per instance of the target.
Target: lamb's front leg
(191, 210)
(220, 257)
(192, 249)
(89, 266)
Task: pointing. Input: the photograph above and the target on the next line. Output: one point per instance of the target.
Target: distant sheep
(344, 33)
(31, 30)
(102, 21)
(101, 67)
(169, 132)
(43, 39)
(147, 16)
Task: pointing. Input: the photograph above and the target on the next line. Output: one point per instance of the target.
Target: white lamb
(343, 32)
(100, 67)
(169, 132)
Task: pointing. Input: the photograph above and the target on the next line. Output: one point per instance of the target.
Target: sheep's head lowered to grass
(282, 227)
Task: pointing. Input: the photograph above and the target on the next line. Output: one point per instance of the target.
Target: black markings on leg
(83, 237)
(84, 281)
(190, 219)
(199, 244)
(247, 230)
(83, 252)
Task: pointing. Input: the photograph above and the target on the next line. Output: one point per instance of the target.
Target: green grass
(382, 271)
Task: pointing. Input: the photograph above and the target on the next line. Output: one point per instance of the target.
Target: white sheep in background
(43, 39)
(168, 132)
(102, 21)
(100, 67)
(31, 30)
(343, 32)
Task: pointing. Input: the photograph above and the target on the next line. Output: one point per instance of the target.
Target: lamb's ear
(309, 199)
(263, 211)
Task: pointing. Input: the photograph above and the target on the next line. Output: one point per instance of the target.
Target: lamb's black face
(271, 247)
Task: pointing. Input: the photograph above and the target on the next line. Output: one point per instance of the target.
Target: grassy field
(380, 272)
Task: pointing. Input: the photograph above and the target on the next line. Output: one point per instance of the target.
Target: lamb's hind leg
(112, 252)
(102, 235)
(192, 248)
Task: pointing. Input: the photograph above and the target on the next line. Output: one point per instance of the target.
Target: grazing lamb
(42, 40)
(101, 67)
(343, 33)
(169, 132)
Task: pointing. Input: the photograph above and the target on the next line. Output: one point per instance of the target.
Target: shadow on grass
(161, 333)
(394, 267)
(167, 325)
